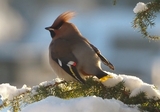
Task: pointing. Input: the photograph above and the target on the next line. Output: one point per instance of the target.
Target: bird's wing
(62, 55)
(103, 59)
(97, 51)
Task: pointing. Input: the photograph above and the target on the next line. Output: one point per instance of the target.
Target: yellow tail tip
(105, 78)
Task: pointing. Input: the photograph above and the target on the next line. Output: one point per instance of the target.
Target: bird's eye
(52, 33)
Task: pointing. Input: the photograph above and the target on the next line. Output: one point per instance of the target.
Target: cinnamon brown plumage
(71, 55)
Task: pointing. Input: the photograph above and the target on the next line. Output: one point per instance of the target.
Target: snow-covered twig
(121, 88)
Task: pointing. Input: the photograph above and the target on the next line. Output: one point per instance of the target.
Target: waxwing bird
(72, 56)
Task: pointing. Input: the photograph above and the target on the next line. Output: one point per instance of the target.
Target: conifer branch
(68, 90)
(145, 19)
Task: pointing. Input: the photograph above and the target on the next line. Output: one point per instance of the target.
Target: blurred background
(24, 41)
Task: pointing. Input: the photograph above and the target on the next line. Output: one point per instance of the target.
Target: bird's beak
(49, 28)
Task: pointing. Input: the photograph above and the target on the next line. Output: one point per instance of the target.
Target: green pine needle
(69, 90)
(146, 18)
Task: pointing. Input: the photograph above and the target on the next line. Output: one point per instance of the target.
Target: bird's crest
(64, 17)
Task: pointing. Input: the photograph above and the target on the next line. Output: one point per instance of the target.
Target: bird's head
(61, 27)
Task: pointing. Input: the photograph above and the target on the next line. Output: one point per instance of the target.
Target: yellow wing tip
(105, 78)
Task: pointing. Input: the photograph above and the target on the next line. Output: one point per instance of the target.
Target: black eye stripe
(52, 33)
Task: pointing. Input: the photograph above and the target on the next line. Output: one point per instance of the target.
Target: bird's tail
(103, 76)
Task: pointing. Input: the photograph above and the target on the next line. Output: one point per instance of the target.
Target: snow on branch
(122, 93)
(140, 7)
(145, 16)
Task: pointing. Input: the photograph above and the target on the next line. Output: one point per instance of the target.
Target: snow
(112, 81)
(150, 90)
(134, 84)
(49, 83)
(82, 104)
(140, 7)
(131, 82)
(9, 92)
(1, 101)
(45, 84)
